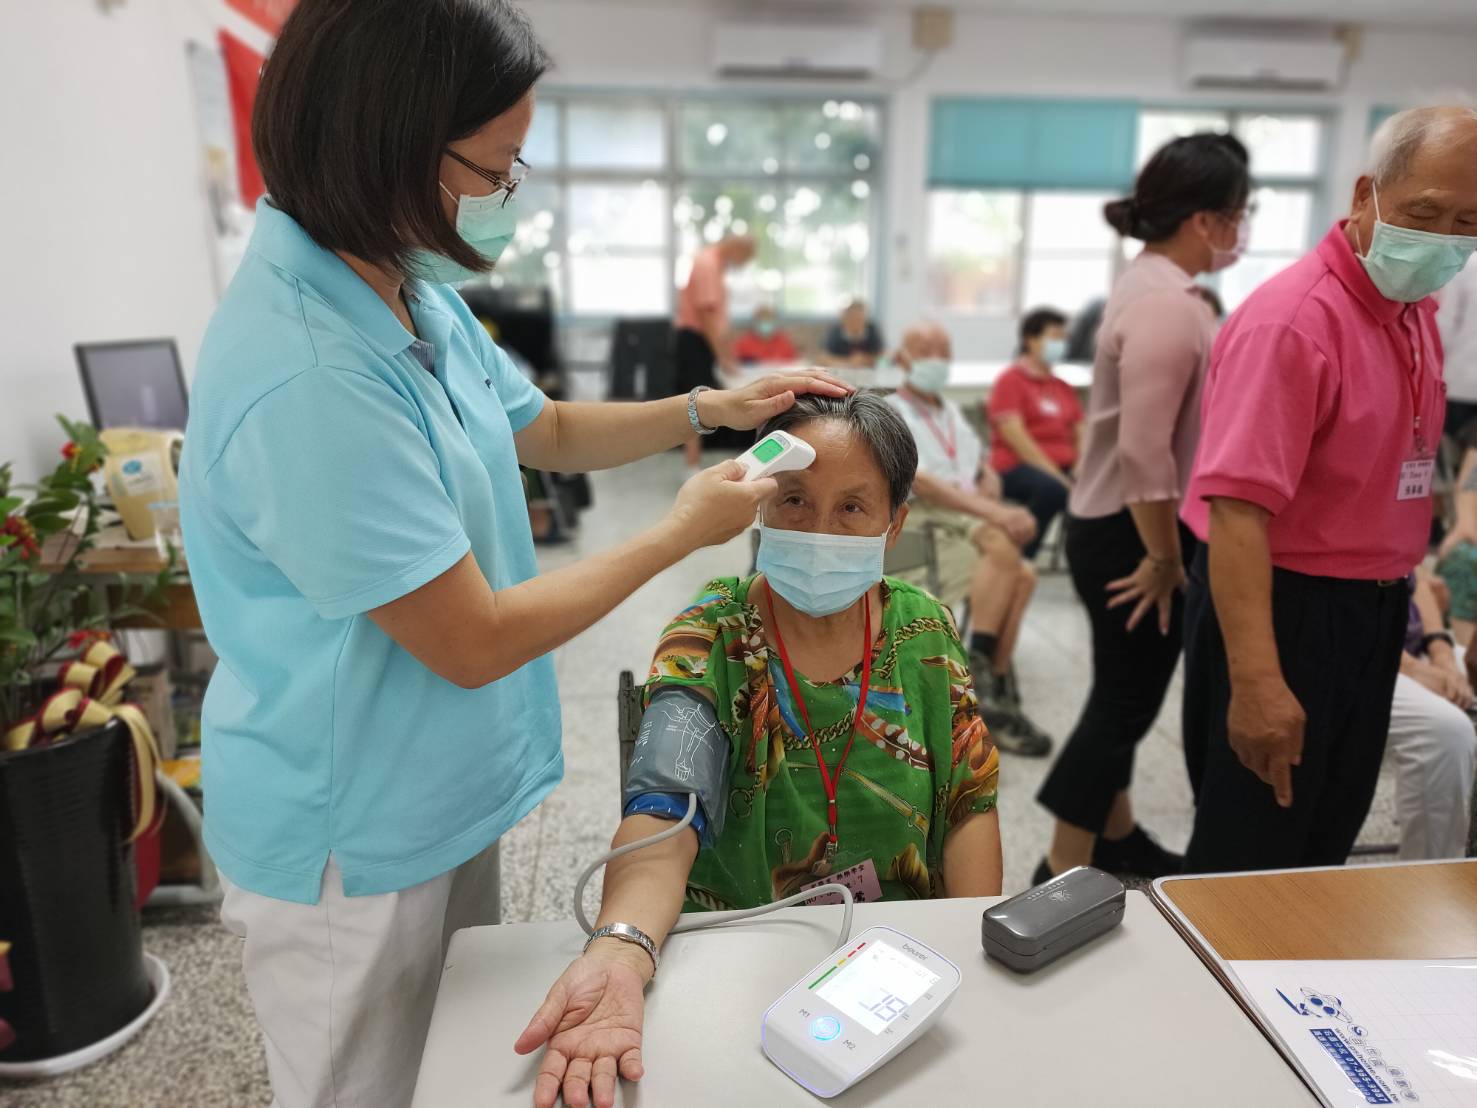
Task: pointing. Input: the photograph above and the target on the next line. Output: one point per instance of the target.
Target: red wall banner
(243, 74)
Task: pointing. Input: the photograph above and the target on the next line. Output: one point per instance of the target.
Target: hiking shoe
(1023, 736)
(1136, 854)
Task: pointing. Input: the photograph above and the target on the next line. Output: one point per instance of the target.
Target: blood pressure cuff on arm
(680, 750)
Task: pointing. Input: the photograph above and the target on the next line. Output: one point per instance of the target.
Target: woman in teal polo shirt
(385, 707)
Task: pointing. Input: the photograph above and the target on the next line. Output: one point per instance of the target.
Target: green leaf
(19, 636)
(9, 504)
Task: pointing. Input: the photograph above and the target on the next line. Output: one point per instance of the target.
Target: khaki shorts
(958, 556)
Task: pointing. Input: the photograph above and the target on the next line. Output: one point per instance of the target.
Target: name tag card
(1415, 478)
(861, 879)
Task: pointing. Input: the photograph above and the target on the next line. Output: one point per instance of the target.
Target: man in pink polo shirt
(1312, 496)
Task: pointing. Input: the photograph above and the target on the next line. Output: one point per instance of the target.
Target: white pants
(1434, 747)
(343, 989)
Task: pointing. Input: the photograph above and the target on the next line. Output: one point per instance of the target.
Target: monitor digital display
(769, 448)
(877, 985)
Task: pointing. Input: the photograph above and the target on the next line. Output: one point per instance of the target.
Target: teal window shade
(1063, 144)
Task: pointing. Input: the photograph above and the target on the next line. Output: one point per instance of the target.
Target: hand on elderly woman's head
(748, 406)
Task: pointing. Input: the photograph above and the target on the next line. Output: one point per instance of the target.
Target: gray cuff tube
(681, 749)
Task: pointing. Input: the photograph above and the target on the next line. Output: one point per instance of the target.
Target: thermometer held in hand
(776, 452)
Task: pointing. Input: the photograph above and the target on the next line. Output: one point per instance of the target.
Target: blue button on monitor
(825, 1028)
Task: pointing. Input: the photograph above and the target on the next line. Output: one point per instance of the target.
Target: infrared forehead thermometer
(858, 1010)
(776, 452)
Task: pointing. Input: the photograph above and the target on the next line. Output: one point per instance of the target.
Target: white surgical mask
(1409, 265)
(1224, 259)
(1053, 350)
(820, 574)
(929, 375)
(485, 223)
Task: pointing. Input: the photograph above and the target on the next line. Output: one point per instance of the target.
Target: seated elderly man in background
(854, 342)
(1432, 741)
(814, 678)
(979, 538)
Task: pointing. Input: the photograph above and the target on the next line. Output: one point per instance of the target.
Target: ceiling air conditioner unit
(1262, 60)
(834, 51)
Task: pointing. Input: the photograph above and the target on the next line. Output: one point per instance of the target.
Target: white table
(1133, 1018)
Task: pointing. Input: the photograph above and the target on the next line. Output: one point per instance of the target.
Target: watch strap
(627, 933)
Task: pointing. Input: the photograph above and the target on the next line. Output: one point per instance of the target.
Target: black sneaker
(1136, 853)
(1030, 740)
(1010, 688)
(1010, 730)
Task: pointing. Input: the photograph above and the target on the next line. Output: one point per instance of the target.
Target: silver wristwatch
(697, 424)
(628, 934)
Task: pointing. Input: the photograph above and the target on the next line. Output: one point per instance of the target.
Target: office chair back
(641, 363)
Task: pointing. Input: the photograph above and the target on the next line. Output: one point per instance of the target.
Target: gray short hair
(1397, 141)
(873, 420)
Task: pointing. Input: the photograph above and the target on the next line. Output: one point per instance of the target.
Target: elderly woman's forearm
(646, 887)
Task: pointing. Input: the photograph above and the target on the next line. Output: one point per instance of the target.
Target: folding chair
(628, 721)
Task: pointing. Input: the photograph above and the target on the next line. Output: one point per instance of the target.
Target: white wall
(667, 46)
(105, 232)
(105, 221)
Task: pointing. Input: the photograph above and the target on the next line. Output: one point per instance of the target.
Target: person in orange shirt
(701, 344)
(764, 341)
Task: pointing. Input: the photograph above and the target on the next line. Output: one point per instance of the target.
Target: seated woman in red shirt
(764, 341)
(1036, 423)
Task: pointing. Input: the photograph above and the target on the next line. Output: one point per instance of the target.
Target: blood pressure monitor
(857, 1010)
(776, 452)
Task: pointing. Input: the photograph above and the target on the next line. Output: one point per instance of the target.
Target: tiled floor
(204, 1050)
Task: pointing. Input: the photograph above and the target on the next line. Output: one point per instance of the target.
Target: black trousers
(694, 361)
(1130, 673)
(1339, 646)
(1039, 493)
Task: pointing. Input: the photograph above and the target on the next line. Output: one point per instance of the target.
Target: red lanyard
(828, 780)
(949, 444)
(1417, 378)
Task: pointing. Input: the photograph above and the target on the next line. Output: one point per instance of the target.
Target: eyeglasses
(1236, 215)
(509, 183)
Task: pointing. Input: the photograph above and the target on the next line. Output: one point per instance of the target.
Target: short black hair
(1196, 173)
(1037, 320)
(874, 420)
(360, 98)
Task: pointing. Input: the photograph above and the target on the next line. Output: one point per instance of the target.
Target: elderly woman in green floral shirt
(848, 723)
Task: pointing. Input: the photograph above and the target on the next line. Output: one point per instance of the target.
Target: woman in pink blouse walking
(1125, 545)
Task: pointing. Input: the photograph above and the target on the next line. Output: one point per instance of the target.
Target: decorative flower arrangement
(46, 614)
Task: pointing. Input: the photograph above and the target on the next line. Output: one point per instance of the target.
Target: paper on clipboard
(1373, 1032)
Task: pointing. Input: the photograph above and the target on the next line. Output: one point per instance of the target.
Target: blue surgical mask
(820, 574)
(764, 327)
(929, 375)
(1409, 265)
(1053, 351)
(485, 223)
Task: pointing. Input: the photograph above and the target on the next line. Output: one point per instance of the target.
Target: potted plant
(76, 772)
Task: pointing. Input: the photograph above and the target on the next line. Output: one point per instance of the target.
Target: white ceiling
(1411, 13)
